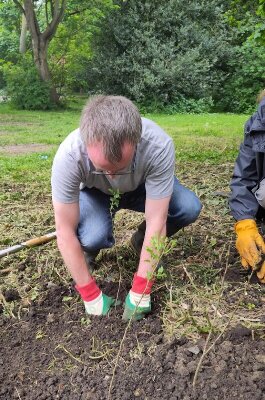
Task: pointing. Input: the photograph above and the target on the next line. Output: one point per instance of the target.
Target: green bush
(245, 80)
(181, 105)
(25, 88)
(190, 106)
(172, 64)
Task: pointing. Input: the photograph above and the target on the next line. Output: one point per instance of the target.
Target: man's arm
(66, 220)
(156, 212)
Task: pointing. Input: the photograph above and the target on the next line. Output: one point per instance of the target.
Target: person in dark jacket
(247, 200)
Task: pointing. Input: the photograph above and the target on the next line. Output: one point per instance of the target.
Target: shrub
(183, 55)
(181, 105)
(190, 106)
(246, 79)
(25, 88)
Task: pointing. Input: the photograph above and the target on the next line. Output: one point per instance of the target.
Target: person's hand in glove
(96, 302)
(136, 306)
(138, 301)
(249, 243)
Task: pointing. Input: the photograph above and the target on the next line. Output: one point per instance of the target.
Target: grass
(187, 130)
(206, 147)
(204, 137)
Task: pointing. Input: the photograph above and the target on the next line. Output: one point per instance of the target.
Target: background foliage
(159, 54)
(175, 56)
(25, 87)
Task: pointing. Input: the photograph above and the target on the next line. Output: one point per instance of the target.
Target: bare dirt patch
(51, 353)
(7, 120)
(5, 132)
(25, 148)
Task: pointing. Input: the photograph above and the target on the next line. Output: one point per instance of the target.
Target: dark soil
(51, 353)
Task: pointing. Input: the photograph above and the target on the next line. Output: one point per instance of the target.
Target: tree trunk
(23, 35)
(40, 40)
(40, 49)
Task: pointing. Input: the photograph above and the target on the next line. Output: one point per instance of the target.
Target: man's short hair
(111, 120)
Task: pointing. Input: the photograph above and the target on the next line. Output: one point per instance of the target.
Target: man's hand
(96, 302)
(136, 306)
(101, 305)
(249, 243)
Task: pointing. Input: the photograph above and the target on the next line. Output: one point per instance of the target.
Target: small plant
(114, 200)
(160, 246)
(67, 299)
(250, 306)
(34, 293)
(40, 334)
(160, 273)
(85, 321)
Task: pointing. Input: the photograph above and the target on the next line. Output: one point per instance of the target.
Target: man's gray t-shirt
(153, 164)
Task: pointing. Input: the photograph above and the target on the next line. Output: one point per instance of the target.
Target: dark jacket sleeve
(242, 201)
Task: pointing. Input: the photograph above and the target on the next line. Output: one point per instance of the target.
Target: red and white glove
(96, 302)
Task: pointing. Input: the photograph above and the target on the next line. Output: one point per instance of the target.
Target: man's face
(96, 155)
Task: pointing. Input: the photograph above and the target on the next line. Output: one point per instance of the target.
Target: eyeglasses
(103, 173)
(110, 173)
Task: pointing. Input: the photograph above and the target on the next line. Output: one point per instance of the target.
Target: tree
(245, 77)
(9, 31)
(73, 22)
(54, 11)
(23, 35)
(70, 51)
(248, 18)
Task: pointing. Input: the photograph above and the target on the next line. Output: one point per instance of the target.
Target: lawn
(204, 295)
(209, 137)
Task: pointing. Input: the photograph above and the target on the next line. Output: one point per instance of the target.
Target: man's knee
(95, 241)
(194, 209)
(186, 213)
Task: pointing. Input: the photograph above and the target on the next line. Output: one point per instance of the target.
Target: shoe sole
(134, 247)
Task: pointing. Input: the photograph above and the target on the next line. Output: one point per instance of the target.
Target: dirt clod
(11, 295)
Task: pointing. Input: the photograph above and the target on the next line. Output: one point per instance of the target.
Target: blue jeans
(95, 226)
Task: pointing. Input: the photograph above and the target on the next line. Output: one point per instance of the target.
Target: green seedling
(85, 321)
(160, 247)
(67, 299)
(161, 274)
(40, 334)
(213, 242)
(246, 305)
(34, 294)
(114, 200)
(250, 306)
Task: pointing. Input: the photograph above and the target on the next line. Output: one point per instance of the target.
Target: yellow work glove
(249, 243)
